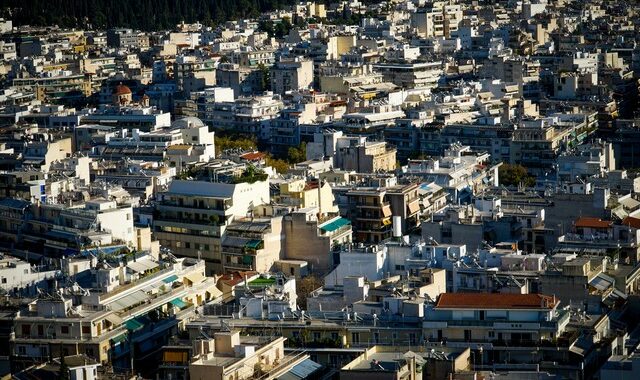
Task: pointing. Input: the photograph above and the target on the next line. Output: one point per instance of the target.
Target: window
(64, 329)
(467, 335)
(4, 280)
(86, 329)
(355, 338)
(492, 334)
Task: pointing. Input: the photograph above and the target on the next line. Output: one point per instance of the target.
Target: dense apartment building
(190, 218)
(291, 75)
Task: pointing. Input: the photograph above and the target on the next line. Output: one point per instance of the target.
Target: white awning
(114, 319)
(142, 265)
(195, 278)
(129, 300)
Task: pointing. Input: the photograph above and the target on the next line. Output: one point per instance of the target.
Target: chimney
(397, 227)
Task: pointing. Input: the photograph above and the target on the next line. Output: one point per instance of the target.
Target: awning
(214, 292)
(33, 161)
(254, 244)
(180, 304)
(134, 325)
(195, 278)
(114, 319)
(601, 282)
(142, 265)
(119, 339)
(335, 224)
(151, 287)
(303, 370)
(247, 259)
(235, 241)
(128, 301)
(170, 279)
(413, 207)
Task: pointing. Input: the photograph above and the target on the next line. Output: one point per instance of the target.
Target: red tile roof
(253, 156)
(587, 222)
(121, 90)
(631, 222)
(495, 301)
(233, 279)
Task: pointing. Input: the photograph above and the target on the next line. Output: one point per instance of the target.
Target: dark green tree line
(138, 14)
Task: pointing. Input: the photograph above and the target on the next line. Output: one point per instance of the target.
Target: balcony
(238, 266)
(203, 209)
(497, 324)
(584, 241)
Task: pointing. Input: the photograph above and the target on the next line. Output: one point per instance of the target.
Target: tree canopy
(139, 14)
(513, 175)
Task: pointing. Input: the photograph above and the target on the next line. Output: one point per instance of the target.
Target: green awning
(119, 339)
(180, 304)
(253, 244)
(247, 259)
(134, 325)
(170, 279)
(332, 226)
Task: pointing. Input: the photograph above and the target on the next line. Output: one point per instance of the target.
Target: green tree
(305, 286)
(63, 371)
(514, 175)
(267, 27)
(280, 166)
(234, 141)
(297, 154)
(282, 28)
(265, 80)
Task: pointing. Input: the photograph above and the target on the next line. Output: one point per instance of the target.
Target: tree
(297, 154)
(280, 166)
(214, 220)
(63, 371)
(224, 142)
(265, 80)
(267, 27)
(305, 287)
(514, 175)
(282, 28)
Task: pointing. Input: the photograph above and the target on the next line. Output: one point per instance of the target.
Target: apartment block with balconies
(192, 216)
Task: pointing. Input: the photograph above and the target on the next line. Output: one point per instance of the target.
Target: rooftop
(588, 222)
(495, 301)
